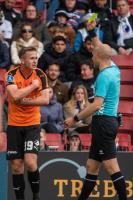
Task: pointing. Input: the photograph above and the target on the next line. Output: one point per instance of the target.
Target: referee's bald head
(103, 51)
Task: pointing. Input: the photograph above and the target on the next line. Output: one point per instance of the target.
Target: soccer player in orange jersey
(27, 90)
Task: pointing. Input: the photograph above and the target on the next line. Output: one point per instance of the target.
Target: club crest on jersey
(10, 78)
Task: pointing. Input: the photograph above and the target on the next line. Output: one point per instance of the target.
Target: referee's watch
(76, 118)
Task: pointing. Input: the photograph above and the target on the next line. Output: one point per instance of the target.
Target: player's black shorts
(104, 131)
(21, 140)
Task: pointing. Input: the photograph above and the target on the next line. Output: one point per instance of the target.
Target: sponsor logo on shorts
(12, 152)
(101, 152)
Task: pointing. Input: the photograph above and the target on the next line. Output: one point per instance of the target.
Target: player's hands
(35, 83)
(69, 122)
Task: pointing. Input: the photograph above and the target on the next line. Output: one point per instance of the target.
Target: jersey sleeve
(44, 80)
(102, 85)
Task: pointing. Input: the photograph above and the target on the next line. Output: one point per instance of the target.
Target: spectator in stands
(70, 6)
(57, 52)
(10, 13)
(5, 27)
(52, 115)
(86, 79)
(4, 55)
(78, 102)
(88, 22)
(61, 17)
(53, 6)
(70, 33)
(60, 89)
(25, 38)
(85, 53)
(119, 35)
(73, 142)
(104, 12)
(67, 32)
(43, 137)
(32, 17)
(82, 7)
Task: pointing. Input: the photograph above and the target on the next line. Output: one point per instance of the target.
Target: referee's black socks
(88, 186)
(18, 186)
(34, 180)
(119, 184)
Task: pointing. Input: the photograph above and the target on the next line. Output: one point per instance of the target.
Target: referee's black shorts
(21, 140)
(104, 131)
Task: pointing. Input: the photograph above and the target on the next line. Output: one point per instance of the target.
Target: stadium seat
(85, 140)
(123, 61)
(127, 124)
(54, 141)
(127, 76)
(124, 141)
(126, 107)
(131, 148)
(126, 92)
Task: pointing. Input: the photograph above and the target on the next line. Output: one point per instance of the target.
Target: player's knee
(31, 164)
(17, 167)
(92, 169)
(111, 166)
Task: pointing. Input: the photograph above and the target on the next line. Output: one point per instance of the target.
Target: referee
(104, 123)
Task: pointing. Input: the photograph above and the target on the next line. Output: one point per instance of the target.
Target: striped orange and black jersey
(20, 115)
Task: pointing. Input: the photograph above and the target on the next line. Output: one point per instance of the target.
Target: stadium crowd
(59, 31)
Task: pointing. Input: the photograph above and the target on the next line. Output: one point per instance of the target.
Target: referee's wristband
(76, 118)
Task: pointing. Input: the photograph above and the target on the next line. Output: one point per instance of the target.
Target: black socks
(34, 180)
(119, 184)
(88, 186)
(19, 186)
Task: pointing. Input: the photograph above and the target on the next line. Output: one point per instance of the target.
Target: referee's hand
(69, 122)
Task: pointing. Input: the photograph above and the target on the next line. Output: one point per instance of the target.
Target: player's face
(53, 72)
(79, 95)
(86, 72)
(30, 59)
